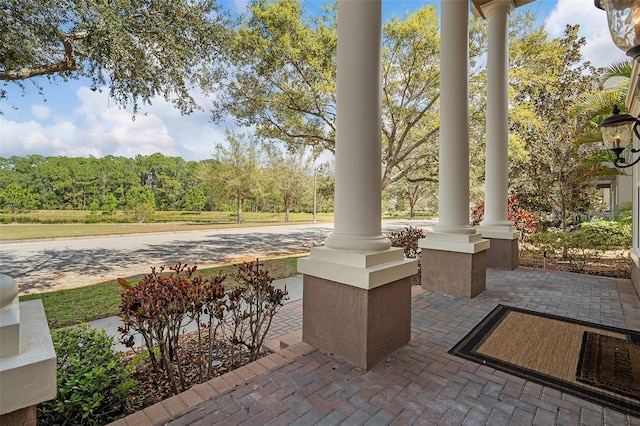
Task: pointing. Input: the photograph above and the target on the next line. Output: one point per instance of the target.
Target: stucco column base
(29, 378)
(503, 252)
(635, 270)
(455, 273)
(23, 417)
(357, 305)
(359, 326)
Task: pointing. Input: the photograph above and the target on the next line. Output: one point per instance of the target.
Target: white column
(497, 154)
(453, 232)
(357, 253)
(358, 129)
(454, 122)
(496, 223)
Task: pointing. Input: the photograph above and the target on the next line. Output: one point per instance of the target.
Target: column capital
(497, 5)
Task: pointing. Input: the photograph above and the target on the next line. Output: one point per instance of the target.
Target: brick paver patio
(419, 384)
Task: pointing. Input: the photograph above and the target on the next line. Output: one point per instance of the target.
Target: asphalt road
(45, 265)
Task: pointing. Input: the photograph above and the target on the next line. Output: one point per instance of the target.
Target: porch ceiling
(476, 8)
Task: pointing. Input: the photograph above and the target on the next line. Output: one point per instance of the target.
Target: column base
(29, 378)
(503, 254)
(635, 271)
(455, 273)
(23, 417)
(357, 325)
(357, 305)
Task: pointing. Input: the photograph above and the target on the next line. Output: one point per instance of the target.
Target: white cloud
(97, 127)
(40, 112)
(31, 137)
(599, 50)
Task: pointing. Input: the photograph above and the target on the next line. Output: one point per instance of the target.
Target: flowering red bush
(523, 220)
(162, 304)
(159, 307)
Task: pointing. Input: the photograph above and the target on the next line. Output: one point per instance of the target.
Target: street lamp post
(315, 199)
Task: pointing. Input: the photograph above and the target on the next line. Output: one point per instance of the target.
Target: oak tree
(139, 49)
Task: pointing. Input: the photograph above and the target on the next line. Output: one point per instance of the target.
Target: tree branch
(68, 62)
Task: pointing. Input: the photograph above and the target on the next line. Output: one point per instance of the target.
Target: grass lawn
(43, 224)
(68, 307)
(69, 223)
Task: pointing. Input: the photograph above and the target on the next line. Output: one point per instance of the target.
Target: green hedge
(93, 386)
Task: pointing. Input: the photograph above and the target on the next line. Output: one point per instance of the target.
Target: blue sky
(73, 121)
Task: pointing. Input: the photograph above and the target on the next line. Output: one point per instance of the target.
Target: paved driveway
(64, 263)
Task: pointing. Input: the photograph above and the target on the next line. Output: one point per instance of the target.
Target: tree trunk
(564, 213)
(287, 209)
(239, 209)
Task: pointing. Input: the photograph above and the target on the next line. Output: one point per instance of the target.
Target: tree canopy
(556, 167)
(139, 49)
(283, 82)
(162, 183)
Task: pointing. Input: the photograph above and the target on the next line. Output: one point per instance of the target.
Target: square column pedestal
(454, 264)
(357, 305)
(27, 357)
(503, 253)
(635, 269)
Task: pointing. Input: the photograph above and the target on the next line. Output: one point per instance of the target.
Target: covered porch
(420, 383)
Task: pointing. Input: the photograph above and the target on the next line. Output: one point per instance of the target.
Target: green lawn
(68, 307)
(69, 223)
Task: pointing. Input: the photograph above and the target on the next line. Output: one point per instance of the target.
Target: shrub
(624, 212)
(523, 220)
(606, 234)
(162, 304)
(158, 308)
(407, 239)
(143, 212)
(587, 243)
(574, 247)
(93, 384)
(252, 306)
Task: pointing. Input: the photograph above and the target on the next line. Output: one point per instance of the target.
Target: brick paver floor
(420, 383)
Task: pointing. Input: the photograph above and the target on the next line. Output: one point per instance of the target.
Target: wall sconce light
(618, 129)
(617, 133)
(624, 23)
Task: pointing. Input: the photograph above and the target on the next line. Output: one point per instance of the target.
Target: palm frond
(617, 69)
(599, 103)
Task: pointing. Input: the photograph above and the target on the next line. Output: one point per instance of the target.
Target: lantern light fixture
(618, 129)
(624, 24)
(617, 134)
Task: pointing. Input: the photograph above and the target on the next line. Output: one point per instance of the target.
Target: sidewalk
(111, 324)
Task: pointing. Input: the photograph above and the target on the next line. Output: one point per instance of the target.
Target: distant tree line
(239, 179)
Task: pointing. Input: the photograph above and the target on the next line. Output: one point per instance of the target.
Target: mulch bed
(615, 265)
(154, 387)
